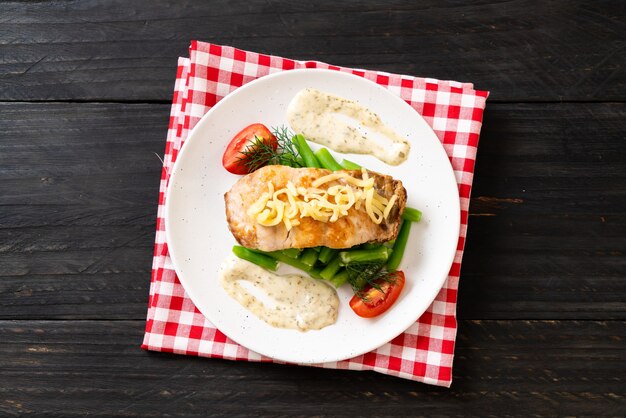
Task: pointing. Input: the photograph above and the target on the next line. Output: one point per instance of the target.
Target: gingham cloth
(424, 352)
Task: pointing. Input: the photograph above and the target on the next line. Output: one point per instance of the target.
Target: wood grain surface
(84, 92)
(96, 366)
(123, 50)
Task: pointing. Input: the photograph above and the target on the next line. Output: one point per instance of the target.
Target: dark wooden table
(85, 88)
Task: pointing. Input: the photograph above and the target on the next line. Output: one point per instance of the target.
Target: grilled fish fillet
(353, 229)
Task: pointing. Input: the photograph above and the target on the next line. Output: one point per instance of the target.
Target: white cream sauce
(314, 114)
(291, 301)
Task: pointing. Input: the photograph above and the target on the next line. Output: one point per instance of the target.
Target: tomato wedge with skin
(372, 302)
(233, 160)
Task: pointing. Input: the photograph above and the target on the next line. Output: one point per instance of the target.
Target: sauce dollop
(314, 114)
(291, 301)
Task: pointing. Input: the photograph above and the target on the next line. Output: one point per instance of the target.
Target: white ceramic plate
(199, 239)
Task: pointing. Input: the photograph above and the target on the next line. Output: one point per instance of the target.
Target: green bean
(370, 246)
(399, 246)
(305, 152)
(412, 215)
(292, 252)
(377, 255)
(326, 160)
(308, 257)
(326, 254)
(255, 257)
(340, 278)
(278, 255)
(331, 268)
(315, 273)
(349, 165)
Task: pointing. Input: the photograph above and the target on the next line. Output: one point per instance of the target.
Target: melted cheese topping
(290, 204)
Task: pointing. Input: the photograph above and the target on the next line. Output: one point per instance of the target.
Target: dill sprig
(362, 275)
(260, 153)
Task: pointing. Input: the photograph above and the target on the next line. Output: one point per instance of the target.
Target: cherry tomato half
(233, 160)
(373, 302)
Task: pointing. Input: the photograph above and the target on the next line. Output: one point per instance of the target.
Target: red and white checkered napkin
(454, 110)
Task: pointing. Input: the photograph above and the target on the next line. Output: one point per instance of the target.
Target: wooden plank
(79, 185)
(547, 218)
(118, 50)
(529, 157)
(54, 143)
(501, 368)
(78, 208)
(88, 295)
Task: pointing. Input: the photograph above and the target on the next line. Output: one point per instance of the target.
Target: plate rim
(241, 90)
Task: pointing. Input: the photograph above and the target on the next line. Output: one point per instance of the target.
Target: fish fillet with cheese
(278, 207)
